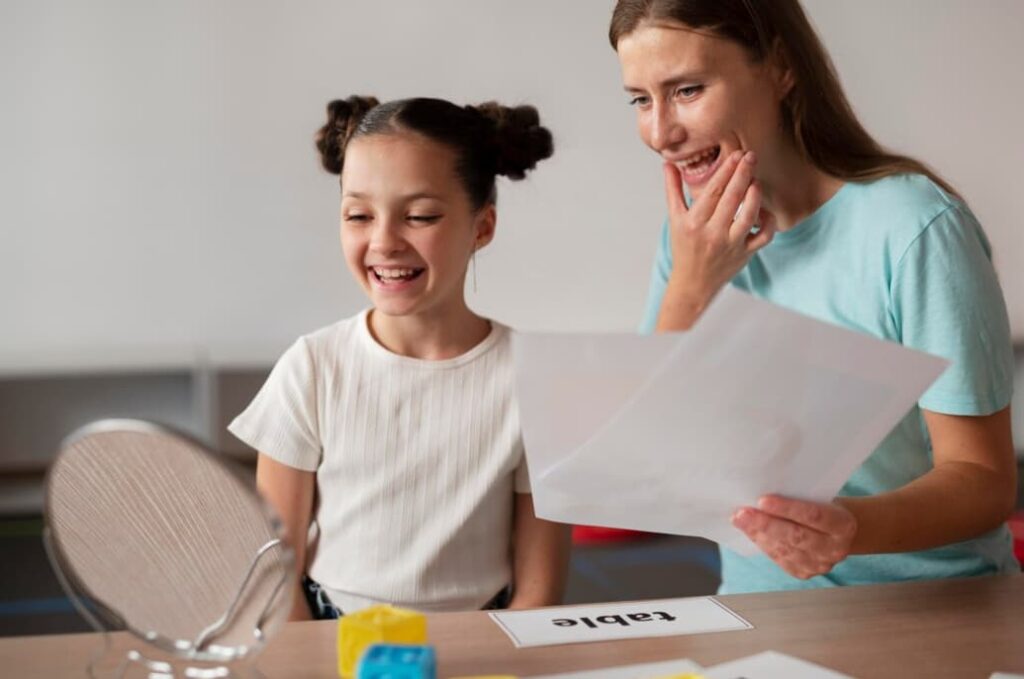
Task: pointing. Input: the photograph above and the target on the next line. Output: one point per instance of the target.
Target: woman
(792, 200)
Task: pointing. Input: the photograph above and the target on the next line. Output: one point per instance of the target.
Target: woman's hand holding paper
(804, 538)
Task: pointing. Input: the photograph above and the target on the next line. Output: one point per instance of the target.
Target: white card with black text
(605, 622)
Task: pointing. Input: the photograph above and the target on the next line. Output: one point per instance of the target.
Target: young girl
(740, 100)
(395, 432)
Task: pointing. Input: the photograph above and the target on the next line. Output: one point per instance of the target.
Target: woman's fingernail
(750, 157)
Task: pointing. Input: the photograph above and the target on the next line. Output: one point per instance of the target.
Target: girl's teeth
(394, 274)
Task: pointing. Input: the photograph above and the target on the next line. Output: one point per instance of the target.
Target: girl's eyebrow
(423, 194)
(407, 197)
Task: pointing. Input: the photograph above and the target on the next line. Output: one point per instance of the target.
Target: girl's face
(407, 226)
(699, 97)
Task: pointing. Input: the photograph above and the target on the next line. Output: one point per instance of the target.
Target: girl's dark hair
(815, 114)
(488, 139)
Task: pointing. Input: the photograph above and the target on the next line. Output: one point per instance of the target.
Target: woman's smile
(698, 167)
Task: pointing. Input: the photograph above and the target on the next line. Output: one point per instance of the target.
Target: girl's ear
(486, 220)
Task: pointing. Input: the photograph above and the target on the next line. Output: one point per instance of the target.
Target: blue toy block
(398, 661)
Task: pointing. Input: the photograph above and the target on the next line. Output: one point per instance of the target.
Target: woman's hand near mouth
(711, 239)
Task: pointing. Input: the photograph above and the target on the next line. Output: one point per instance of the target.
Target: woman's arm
(290, 492)
(540, 553)
(970, 490)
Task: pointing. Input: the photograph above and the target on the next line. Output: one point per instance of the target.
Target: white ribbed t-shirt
(416, 462)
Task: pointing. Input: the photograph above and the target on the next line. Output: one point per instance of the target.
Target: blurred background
(167, 230)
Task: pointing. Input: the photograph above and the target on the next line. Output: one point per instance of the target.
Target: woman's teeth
(388, 275)
(700, 161)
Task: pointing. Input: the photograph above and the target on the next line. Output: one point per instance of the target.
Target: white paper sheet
(770, 665)
(671, 433)
(654, 670)
(604, 622)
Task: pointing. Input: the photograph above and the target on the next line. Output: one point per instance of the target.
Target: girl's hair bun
(343, 117)
(520, 140)
(488, 140)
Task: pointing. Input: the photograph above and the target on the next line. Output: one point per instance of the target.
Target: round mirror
(150, 533)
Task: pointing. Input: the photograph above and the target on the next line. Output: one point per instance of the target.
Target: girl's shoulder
(341, 329)
(324, 345)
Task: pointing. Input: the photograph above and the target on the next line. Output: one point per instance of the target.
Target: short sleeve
(522, 478)
(946, 301)
(282, 420)
(659, 279)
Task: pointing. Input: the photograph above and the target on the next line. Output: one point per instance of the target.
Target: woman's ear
(781, 71)
(486, 221)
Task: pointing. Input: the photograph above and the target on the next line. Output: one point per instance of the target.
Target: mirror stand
(172, 668)
(184, 663)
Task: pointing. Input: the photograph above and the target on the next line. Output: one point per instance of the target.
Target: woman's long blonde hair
(815, 114)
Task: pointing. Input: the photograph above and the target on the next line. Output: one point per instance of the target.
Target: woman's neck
(435, 335)
(793, 187)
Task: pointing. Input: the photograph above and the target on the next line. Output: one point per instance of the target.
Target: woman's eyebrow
(671, 82)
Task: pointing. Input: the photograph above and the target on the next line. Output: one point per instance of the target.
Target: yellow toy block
(379, 624)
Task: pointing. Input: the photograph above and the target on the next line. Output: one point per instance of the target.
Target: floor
(653, 567)
(31, 599)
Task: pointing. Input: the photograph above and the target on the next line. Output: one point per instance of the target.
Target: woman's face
(699, 97)
(408, 228)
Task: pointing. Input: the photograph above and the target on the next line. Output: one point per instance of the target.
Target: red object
(588, 535)
(1017, 528)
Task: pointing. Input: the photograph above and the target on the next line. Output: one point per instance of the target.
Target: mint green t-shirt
(902, 260)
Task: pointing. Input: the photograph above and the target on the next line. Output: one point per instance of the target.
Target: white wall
(941, 80)
(159, 191)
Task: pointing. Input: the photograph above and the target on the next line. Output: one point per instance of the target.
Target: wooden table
(951, 628)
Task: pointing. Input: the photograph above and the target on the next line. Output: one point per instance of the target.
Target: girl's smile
(394, 279)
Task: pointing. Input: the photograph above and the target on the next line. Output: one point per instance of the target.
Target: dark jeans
(323, 609)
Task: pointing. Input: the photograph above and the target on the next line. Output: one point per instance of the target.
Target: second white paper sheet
(771, 665)
(671, 433)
